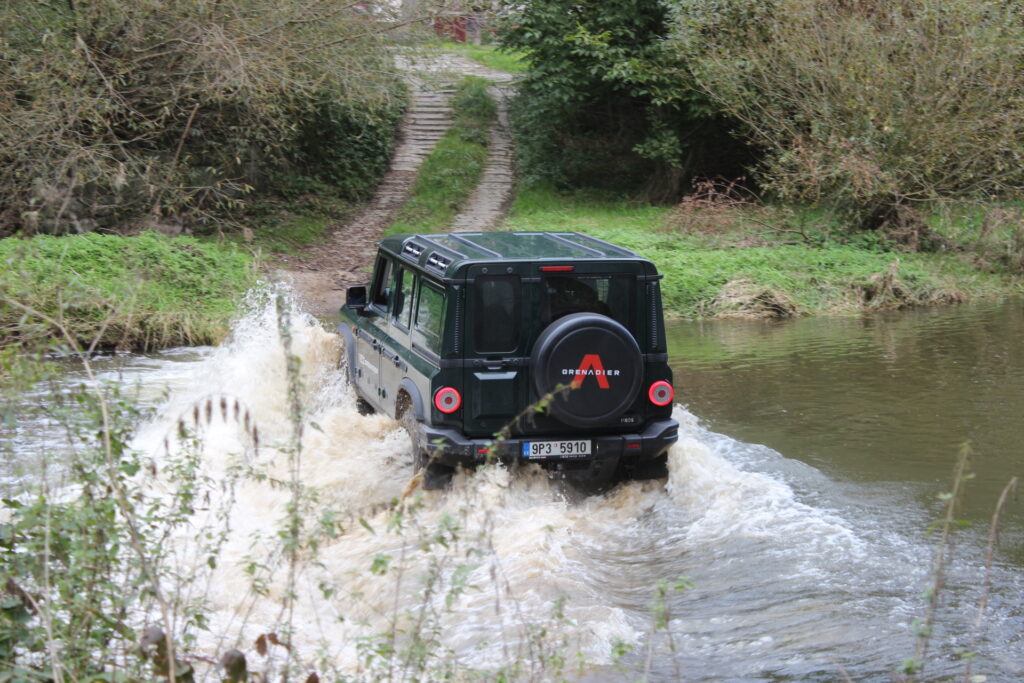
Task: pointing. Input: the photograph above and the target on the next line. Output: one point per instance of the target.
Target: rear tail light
(447, 400)
(661, 393)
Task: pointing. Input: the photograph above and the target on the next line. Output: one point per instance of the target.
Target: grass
(141, 292)
(277, 226)
(742, 259)
(451, 172)
(493, 56)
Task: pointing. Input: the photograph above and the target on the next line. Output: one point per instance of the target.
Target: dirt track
(320, 275)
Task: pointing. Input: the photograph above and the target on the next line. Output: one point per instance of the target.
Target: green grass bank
(746, 260)
(142, 292)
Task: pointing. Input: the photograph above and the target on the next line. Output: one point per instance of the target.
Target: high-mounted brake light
(661, 393)
(556, 269)
(447, 400)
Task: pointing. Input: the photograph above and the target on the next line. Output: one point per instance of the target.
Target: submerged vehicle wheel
(655, 468)
(364, 408)
(435, 475)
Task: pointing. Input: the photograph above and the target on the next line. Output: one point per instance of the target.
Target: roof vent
(438, 262)
(413, 249)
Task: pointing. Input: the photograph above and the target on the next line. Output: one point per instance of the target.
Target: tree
(605, 104)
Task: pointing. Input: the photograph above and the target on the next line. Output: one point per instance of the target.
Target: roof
(443, 253)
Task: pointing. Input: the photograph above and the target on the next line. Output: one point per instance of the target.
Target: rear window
(609, 295)
(496, 313)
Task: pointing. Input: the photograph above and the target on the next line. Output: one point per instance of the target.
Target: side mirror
(355, 299)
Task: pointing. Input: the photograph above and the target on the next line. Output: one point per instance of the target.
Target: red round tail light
(447, 400)
(661, 393)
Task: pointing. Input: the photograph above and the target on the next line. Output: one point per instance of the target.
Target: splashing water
(502, 570)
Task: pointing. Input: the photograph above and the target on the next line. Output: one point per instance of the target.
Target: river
(811, 457)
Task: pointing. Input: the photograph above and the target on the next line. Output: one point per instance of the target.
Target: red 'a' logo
(591, 365)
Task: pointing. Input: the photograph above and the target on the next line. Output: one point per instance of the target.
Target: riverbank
(735, 259)
(142, 292)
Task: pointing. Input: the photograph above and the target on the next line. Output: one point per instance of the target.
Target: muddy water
(806, 556)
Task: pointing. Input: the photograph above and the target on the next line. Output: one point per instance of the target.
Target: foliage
(991, 234)
(605, 104)
(869, 107)
(755, 267)
(87, 552)
(345, 146)
(452, 170)
(114, 113)
(144, 292)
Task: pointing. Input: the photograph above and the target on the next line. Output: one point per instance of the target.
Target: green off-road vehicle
(538, 347)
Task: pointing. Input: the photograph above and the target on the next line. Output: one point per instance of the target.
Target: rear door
(496, 362)
(394, 361)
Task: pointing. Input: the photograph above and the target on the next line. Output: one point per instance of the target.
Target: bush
(126, 112)
(871, 107)
(604, 104)
(344, 145)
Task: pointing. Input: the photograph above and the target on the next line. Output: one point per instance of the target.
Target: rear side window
(609, 295)
(496, 313)
(430, 316)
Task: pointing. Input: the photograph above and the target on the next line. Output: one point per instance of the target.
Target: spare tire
(596, 360)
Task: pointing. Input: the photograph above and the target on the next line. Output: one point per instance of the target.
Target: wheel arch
(407, 388)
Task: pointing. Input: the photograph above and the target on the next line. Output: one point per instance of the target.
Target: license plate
(556, 449)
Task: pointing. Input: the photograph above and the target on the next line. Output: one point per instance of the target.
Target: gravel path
(486, 206)
(320, 275)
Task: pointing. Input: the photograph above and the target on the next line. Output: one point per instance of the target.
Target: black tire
(597, 362)
(655, 468)
(435, 475)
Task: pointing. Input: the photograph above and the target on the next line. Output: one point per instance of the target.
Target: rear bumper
(449, 447)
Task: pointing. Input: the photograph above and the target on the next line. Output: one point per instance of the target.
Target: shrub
(871, 107)
(115, 112)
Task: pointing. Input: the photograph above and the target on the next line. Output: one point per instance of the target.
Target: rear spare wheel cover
(596, 358)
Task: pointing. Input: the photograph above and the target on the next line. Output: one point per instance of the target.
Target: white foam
(483, 566)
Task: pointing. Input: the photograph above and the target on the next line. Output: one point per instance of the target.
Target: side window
(496, 313)
(430, 316)
(382, 282)
(402, 309)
